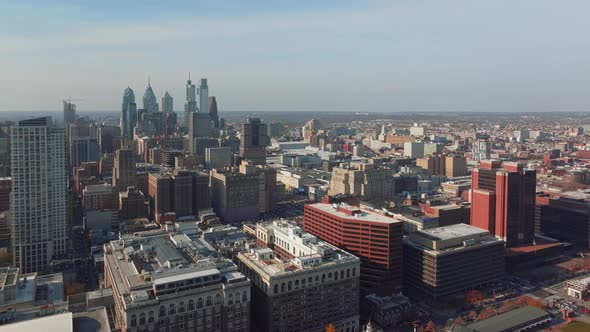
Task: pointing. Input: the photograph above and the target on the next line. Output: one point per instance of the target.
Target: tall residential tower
(38, 199)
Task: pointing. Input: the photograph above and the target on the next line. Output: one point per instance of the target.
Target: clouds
(368, 56)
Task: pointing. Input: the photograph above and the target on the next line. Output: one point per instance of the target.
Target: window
(162, 311)
(323, 277)
(297, 283)
(217, 299)
(209, 300)
(191, 305)
(200, 303)
(181, 307)
(230, 299)
(244, 296)
(276, 289)
(151, 317)
(282, 287)
(142, 318)
(171, 309)
(289, 285)
(133, 321)
(354, 271)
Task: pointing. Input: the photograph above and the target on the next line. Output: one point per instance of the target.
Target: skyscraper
(213, 112)
(128, 114)
(503, 201)
(167, 103)
(38, 198)
(191, 101)
(150, 103)
(69, 112)
(254, 141)
(203, 96)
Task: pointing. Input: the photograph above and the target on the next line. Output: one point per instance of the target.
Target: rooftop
(506, 321)
(338, 210)
(453, 231)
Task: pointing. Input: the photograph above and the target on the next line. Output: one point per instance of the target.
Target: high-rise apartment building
(167, 103)
(183, 285)
(128, 114)
(38, 202)
(254, 141)
(124, 173)
(414, 149)
(375, 238)
(445, 260)
(481, 150)
(304, 284)
(503, 201)
(433, 164)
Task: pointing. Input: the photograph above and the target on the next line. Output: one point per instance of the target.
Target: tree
(474, 296)
(459, 321)
(430, 327)
(486, 313)
(331, 328)
(472, 315)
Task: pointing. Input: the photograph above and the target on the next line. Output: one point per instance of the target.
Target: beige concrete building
(369, 182)
(168, 282)
(455, 166)
(304, 284)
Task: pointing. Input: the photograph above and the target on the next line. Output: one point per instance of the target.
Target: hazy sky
(335, 55)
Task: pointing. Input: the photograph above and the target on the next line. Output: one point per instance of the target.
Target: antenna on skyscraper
(148, 80)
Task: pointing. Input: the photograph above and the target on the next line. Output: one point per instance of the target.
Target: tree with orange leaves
(474, 296)
(331, 328)
(430, 327)
(472, 315)
(486, 313)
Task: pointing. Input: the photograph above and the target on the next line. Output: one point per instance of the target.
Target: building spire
(149, 81)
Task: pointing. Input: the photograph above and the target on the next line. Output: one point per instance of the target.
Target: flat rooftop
(453, 231)
(364, 215)
(58, 322)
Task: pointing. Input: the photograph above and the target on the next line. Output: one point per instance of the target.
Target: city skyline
(372, 56)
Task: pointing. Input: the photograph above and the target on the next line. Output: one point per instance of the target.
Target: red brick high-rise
(503, 201)
(375, 238)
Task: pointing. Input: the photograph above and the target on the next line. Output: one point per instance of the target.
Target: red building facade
(375, 238)
(503, 201)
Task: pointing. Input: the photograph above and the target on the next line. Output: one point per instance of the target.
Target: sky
(304, 55)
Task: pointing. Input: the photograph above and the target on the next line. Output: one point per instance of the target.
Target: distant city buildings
(150, 102)
(167, 103)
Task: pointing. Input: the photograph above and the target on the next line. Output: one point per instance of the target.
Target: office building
(213, 113)
(84, 149)
(565, 217)
(481, 150)
(167, 103)
(128, 114)
(109, 138)
(432, 164)
(184, 285)
(218, 158)
(182, 193)
(276, 129)
(98, 197)
(190, 105)
(5, 189)
(160, 194)
(414, 149)
(132, 204)
(150, 102)
(254, 141)
(203, 93)
(235, 196)
(369, 182)
(69, 113)
(38, 202)
(417, 131)
(442, 261)
(299, 282)
(503, 201)
(124, 173)
(375, 238)
(201, 191)
(455, 166)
